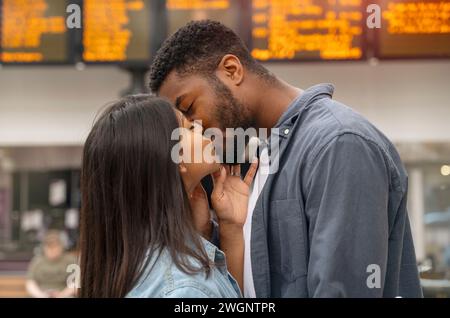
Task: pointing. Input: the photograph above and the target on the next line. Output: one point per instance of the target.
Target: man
(332, 221)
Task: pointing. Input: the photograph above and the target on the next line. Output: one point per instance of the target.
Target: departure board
(307, 29)
(34, 32)
(117, 31)
(180, 12)
(414, 28)
(128, 31)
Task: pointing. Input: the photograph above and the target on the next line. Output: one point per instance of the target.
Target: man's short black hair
(199, 47)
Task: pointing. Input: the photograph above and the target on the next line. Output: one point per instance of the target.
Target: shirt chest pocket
(287, 239)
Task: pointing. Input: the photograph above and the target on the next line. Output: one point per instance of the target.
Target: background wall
(408, 100)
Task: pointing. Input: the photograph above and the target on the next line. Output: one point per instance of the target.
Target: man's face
(206, 99)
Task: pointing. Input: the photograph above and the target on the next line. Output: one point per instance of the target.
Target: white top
(257, 186)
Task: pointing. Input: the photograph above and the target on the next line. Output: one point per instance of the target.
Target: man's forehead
(175, 85)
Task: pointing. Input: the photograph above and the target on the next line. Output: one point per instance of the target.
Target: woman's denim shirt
(163, 279)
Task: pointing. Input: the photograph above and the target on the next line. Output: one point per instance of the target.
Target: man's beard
(230, 113)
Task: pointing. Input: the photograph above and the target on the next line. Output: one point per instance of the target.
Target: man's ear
(230, 70)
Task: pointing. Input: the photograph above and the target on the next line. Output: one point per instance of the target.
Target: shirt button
(286, 131)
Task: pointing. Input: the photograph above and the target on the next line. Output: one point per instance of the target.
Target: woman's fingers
(251, 172)
(218, 180)
(236, 170)
(226, 167)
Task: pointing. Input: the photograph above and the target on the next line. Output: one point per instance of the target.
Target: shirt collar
(214, 254)
(304, 100)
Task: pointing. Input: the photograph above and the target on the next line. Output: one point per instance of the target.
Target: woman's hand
(230, 201)
(230, 195)
(201, 215)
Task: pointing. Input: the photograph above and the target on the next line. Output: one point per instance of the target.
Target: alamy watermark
(374, 278)
(74, 17)
(74, 277)
(234, 146)
(73, 20)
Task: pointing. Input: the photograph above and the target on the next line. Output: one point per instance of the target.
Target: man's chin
(229, 153)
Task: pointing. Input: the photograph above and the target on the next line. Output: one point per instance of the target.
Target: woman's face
(198, 155)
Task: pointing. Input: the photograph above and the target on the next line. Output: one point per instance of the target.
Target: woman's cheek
(209, 151)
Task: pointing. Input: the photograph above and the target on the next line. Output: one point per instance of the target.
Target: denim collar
(214, 254)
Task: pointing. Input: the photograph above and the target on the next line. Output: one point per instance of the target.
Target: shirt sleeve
(347, 208)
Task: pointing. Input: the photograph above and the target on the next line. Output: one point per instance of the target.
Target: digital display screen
(117, 31)
(180, 12)
(414, 28)
(307, 30)
(34, 32)
(128, 31)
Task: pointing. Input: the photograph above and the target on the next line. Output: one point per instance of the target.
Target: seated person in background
(47, 274)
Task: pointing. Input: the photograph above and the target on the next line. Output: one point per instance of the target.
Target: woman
(141, 236)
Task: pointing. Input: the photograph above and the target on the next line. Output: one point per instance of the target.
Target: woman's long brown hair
(133, 199)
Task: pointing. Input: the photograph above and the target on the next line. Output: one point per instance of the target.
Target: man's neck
(273, 101)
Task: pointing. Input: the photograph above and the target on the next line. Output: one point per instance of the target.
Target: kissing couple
(330, 222)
